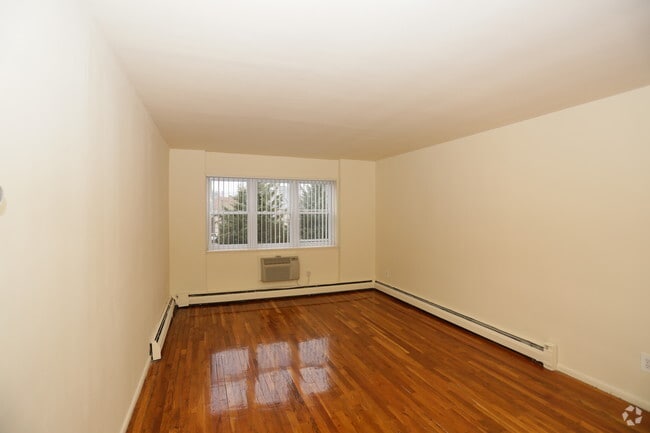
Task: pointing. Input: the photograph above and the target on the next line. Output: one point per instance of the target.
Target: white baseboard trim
(136, 395)
(546, 353)
(186, 299)
(603, 386)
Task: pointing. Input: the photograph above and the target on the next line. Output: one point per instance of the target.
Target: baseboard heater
(158, 338)
(186, 299)
(544, 353)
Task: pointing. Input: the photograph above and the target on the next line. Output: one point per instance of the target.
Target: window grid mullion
(294, 214)
(331, 214)
(251, 205)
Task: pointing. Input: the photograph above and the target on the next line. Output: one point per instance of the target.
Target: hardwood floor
(354, 362)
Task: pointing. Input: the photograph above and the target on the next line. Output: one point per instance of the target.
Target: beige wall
(357, 222)
(193, 270)
(83, 232)
(541, 228)
(187, 219)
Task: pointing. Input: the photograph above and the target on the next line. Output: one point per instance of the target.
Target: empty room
(324, 216)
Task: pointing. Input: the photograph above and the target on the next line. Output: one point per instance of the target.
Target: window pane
(314, 227)
(313, 196)
(231, 229)
(229, 195)
(272, 229)
(315, 210)
(272, 196)
(273, 212)
(229, 219)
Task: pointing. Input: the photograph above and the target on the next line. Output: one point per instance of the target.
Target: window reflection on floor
(313, 360)
(275, 355)
(228, 371)
(229, 395)
(231, 373)
(272, 387)
(314, 352)
(314, 380)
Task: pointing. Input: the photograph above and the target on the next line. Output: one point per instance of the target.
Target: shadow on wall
(3, 202)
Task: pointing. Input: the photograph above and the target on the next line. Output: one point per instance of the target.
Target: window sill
(264, 250)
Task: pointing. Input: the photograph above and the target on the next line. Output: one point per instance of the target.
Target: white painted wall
(193, 270)
(541, 228)
(83, 231)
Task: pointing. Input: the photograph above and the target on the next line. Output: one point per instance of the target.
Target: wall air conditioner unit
(280, 268)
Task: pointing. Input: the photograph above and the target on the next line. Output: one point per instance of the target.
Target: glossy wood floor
(354, 362)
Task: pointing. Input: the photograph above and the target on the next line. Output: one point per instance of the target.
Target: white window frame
(293, 214)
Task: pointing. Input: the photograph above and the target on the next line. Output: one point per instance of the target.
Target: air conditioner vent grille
(280, 268)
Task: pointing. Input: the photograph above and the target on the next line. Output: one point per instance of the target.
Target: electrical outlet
(308, 274)
(645, 362)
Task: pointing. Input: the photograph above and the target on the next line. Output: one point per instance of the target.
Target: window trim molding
(293, 211)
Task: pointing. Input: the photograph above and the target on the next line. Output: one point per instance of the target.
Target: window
(246, 213)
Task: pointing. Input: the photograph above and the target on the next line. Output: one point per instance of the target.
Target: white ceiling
(365, 79)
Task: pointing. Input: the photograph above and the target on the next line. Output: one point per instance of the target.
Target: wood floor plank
(354, 362)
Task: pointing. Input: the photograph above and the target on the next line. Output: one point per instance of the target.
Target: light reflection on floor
(228, 371)
(313, 359)
(272, 387)
(273, 356)
(230, 374)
